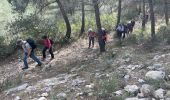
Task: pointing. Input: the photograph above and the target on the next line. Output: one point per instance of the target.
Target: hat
(19, 42)
(103, 28)
(90, 29)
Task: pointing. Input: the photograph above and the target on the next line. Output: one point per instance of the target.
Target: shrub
(107, 87)
(7, 49)
(129, 14)
(163, 34)
(132, 39)
(10, 82)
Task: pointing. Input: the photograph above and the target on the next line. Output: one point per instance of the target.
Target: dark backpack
(31, 43)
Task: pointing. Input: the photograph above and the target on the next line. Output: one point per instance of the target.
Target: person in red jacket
(91, 35)
(47, 46)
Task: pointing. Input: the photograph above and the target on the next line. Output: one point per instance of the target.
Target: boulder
(17, 98)
(146, 90)
(44, 94)
(16, 89)
(159, 94)
(42, 98)
(118, 93)
(131, 88)
(135, 98)
(62, 96)
(156, 75)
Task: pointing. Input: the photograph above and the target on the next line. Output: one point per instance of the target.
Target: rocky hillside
(79, 73)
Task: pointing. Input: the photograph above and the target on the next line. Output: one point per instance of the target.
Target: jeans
(91, 40)
(32, 55)
(50, 51)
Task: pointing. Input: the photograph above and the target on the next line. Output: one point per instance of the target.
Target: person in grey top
(28, 52)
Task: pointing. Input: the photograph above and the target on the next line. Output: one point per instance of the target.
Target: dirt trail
(75, 52)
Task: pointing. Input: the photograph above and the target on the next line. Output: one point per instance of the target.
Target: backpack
(31, 43)
(51, 41)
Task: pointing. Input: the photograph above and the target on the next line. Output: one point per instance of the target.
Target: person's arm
(29, 52)
(29, 49)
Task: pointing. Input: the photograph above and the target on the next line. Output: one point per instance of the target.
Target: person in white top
(28, 52)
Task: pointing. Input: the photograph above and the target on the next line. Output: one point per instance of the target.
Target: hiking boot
(39, 64)
(51, 58)
(24, 68)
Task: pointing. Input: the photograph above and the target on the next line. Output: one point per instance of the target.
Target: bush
(107, 87)
(129, 14)
(132, 39)
(163, 34)
(7, 49)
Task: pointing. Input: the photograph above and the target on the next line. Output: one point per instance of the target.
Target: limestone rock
(118, 93)
(156, 75)
(44, 94)
(159, 94)
(62, 95)
(131, 88)
(16, 89)
(42, 98)
(17, 98)
(146, 90)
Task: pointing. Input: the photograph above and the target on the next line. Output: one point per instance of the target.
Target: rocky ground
(79, 73)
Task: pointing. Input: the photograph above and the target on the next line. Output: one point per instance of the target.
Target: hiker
(91, 35)
(130, 26)
(47, 46)
(120, 29)
(103, 39)
(28, 46)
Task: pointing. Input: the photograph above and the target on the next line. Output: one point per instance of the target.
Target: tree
(152, 16)
(83, 19)
(40, 5)
(166, 12)
(68, 33)
(144, 15)
(98, 23)
(119, 11)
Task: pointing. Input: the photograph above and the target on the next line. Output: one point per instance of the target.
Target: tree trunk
(166, 12)
(98, 22)
(119, 11)
(83, 19)
(152, 16)
(68, 33)
(144, 16)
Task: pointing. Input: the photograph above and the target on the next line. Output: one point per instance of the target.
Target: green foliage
(156, 83)
(129, 14)
(163, 34)
(108, 21)
(6, 49)
(132, 39)
(32, 26)
(107, 87)
(10, 82)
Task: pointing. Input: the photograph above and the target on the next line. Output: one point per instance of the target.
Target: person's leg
(35, 58)
(89, 42)
(92, 41)
(124, 34)
(51, 52)
(25, 60)
(104, 44)
(44, 52)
